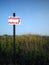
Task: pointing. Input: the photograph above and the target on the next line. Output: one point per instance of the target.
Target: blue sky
(34, 16)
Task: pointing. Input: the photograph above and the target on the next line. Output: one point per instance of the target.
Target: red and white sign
(13, 20)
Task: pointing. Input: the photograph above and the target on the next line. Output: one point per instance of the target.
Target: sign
(13, 20)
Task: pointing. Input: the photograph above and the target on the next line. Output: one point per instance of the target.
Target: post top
(14, 14)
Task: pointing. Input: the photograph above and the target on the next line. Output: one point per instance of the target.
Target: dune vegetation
(30, 50)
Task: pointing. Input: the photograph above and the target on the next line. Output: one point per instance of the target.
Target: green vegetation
(30, 50)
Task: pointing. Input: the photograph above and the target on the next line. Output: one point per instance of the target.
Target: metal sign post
(14, 48)
(13, 20)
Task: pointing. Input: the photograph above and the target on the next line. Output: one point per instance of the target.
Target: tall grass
(30, 50)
